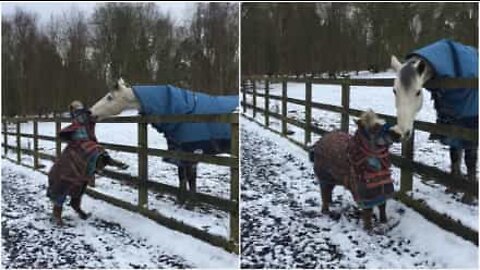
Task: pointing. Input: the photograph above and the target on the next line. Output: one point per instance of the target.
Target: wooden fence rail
(141, 182)
(405, 161)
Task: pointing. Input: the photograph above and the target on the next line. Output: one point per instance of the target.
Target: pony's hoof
(58, 222)
(379, 230)
(85, 215)
(123, 166)
(334, 215)
(368, 228)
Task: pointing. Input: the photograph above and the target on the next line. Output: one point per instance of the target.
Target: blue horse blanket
(158, 100)
(451, 59)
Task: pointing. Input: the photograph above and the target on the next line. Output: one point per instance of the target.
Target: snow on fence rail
(405, 161)
(141, 181)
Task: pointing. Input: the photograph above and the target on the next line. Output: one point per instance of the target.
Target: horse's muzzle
(396, 137)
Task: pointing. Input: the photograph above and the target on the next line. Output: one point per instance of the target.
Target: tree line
(75, 56)
(317, 38)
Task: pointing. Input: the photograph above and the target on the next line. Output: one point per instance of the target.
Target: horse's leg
(456, 160)
(471, 163)
(455, 163)
(182, 177)
(367, 219)
(383, 213)
(192, 178)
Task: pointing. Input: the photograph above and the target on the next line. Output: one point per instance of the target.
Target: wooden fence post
(406, 175)
(244, 93)
(19, 156)
(254, 89)
(142, 165)
(35, 143)
(234, 184)
(5, 137)
(58, 143)
(345, 106)
(308, 111)
(267, 103)
(284, 107)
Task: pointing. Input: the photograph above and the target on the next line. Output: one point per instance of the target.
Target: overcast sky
(179, 11)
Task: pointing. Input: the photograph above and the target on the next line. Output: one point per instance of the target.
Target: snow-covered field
(281, 200)
(282, 226)
(213, 180)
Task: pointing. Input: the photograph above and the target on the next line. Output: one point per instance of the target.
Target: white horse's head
(120, 98)
(407, 88)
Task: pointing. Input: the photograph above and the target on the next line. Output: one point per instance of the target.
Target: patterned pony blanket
(211, 138)
(339, 159)
(458, 107)
(72, 172)
(75, 167)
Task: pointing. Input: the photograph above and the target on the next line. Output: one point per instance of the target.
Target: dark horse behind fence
(159, 100)
(459, 107)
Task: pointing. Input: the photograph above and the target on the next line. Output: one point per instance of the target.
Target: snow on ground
(282, 226)
(380, 99)
(110, 238)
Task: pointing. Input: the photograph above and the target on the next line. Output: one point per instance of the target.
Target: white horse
(122, 98)
(409, 82)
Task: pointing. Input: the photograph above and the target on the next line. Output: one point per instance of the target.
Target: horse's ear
(420, 66)
(396, 65)
(119, 84)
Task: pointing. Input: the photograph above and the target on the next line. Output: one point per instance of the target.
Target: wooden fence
(251, 85)
(141, 181)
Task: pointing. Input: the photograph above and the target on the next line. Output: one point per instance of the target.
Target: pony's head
(373, 127)
(75, 105)
(115, 101)
(370, 122)
(407, 88)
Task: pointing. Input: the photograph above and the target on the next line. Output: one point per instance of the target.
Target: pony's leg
(57, 214)
(91, 183)
(326, 190)
(471, 162)
(367, 219)
(456, 160)
(383, 213)
(75, 204)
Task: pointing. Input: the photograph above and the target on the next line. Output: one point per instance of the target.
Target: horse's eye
(394, 92)
(109, 98)
(418, 92)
